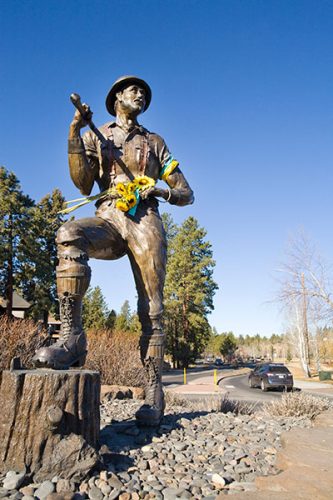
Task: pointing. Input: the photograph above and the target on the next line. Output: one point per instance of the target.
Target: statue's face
(132, 99)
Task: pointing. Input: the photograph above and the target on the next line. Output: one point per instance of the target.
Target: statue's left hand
(154, 191)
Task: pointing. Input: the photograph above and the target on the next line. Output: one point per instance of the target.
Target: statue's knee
(71, 242)
(67, 233)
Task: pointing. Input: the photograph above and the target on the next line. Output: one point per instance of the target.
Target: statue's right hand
(80, 121)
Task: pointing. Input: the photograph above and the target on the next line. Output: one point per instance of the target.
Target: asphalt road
(238, 389)
(237, 386)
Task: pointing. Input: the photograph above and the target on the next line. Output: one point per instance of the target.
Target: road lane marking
(230, 386)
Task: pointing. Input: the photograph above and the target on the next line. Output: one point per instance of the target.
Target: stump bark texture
(39, 409)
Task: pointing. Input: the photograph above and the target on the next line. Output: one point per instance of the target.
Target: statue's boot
(71, 348)
(152, 351)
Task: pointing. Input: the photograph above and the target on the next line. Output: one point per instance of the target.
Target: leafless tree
(305, 293)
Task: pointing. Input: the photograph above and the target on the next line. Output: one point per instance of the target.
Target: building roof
(52, 321)
(18, 302)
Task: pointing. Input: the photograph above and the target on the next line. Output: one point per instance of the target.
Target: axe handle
(76, 100)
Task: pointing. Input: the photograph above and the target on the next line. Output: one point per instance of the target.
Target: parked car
(166, 366)
(199, 361)
(218, 362)
(271, 375)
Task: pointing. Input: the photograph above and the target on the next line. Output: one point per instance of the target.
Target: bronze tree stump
(44, 413)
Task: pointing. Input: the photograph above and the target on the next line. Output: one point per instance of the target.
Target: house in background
(54, 326)
(20, 306)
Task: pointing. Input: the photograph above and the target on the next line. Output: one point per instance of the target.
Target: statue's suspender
(112, 159)
(144, 151)
(143, 158)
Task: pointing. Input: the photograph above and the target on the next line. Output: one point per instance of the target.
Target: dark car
(271, 375)
(218, 362)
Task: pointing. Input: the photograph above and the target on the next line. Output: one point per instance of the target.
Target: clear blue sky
(242, 94)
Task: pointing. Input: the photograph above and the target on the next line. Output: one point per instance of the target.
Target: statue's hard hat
(120, 84)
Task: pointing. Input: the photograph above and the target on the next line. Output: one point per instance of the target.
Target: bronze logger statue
(126, 160)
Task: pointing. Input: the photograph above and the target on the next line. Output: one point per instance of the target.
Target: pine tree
(37, 276)
(214, 343)
(15, 210)
(134, 324)
(126, 320)
(111, 320)
(95, 312)
(123, 319)
(170, 228)
(228, 345)
(189, 291)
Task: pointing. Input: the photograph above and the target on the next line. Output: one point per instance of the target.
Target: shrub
(297, 404)
(173, 400)
(237, 407)
(19, 338)
(209, 404)
(116, 356)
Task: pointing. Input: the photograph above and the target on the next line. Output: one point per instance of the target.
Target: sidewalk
(318, 388)
(306, 461)
(205, 385)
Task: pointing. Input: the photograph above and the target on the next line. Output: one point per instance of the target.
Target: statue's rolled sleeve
(83, 162)
(90, 144)
(181, 193)
(75, 146)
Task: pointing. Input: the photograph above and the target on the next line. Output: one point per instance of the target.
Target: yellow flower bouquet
(127, 194)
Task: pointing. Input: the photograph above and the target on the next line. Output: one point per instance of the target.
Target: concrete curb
(238, 373)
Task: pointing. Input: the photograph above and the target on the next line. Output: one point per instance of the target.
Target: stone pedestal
(47, 419)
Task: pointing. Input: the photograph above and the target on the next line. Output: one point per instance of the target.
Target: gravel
(13, 480)
(194, 454)
(45, 489)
